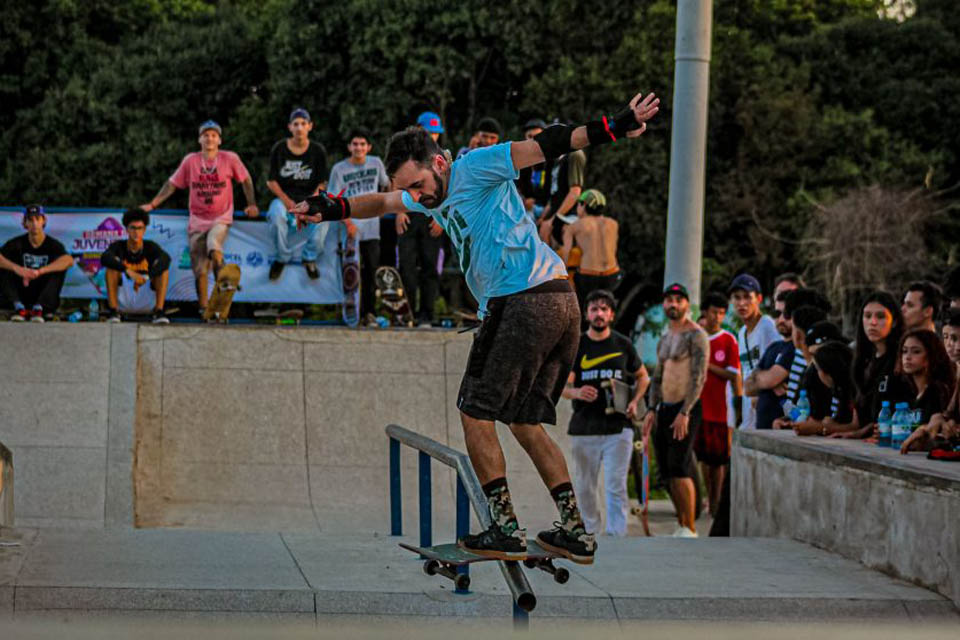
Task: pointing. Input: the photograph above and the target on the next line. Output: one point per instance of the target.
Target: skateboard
(444, 559)
(618, 395)
(288, 317)
(392, 294)
(350, 276)
(227, 284)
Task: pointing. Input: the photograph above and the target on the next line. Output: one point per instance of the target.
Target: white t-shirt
(752, 346)
(358, 179)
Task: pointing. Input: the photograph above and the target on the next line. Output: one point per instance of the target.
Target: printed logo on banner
(162, 229)
(254, 259)
(90, 245)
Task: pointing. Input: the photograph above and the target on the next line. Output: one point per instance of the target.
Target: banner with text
(86, 233)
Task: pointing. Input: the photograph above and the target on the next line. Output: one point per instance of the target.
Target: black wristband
(612, 128)
(329, 206)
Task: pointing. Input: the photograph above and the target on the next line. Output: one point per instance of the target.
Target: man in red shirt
(713, 440)
(209, 175)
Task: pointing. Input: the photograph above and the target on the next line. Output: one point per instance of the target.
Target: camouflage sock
(501, 506)
(570, 518)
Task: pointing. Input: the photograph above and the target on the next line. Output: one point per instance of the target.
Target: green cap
(593, 199)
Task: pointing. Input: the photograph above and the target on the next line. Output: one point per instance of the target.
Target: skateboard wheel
(529, 563)
(561, 576)
(430, 567)
(462, 582)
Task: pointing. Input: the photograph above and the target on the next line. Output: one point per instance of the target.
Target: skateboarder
(523, 353)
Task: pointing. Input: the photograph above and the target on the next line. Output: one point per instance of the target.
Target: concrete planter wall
(898, 514)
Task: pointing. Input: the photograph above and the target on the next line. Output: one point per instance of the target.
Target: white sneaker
(684, 532)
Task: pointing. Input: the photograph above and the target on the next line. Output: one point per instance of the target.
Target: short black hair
(807, 316)
(930, 294)
(951, 318)
(789, 276)
(600, 294)
(359, 132)
(413, 143)
(489, 125)
(714, 300)
(135, 214)
(804, 297)
(951, 283)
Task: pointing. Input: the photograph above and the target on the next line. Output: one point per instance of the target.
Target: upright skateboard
(350, 275)
(392, 294)
(227, 284)
(617, 395)
(444, 559)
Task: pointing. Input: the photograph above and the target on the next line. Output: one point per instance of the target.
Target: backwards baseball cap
(676, 289)
(534, 123)
(33, 210)
(746, 282)
(210, 124)
(593, 199)
(430, 122)
(300, 112)
(824, 331)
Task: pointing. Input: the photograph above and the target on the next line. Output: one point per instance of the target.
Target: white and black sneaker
(159, 317)
(577, 547)
(494, 543)
(114, 316)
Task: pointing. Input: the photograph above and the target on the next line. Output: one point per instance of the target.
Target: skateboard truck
(560, 574)
(436, 568)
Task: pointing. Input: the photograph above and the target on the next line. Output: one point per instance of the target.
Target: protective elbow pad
(554, 141)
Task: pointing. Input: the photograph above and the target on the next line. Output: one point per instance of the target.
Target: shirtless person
(597, 236)
(682, 362)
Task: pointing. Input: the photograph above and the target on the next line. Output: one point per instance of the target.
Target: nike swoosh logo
(590, 363)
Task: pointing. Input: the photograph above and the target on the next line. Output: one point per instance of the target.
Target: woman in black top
(927, 371)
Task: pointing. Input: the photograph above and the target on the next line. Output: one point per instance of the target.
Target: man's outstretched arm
(326, 207)
(559, 139)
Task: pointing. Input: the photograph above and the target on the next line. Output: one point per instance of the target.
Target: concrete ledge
(894, 513)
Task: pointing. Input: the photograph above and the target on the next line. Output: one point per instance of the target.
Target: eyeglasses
(136, 228)
(776, 314)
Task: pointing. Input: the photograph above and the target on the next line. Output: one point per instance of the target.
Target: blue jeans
(287, 238)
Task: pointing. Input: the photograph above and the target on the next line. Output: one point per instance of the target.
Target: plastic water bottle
(884, 424)
(93, 311)
(917, 420)
(76, 316)
(803, 407)
(900, 427)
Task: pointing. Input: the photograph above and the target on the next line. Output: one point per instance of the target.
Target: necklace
(204, 169)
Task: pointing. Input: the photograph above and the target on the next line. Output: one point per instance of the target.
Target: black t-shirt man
(824, 401)
(151, 259)
(298, 175)
(599, 360)
(19, 251)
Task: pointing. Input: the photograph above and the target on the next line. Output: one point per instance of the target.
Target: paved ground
(303, 578)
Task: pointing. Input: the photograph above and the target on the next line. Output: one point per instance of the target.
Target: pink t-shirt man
(211, 187)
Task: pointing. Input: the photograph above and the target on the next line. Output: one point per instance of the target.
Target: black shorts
(522, 356)
(674, 457)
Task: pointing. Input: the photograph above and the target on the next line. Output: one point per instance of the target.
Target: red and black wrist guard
(330, 207)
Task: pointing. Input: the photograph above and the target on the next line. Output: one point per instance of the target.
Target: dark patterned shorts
(522, 355)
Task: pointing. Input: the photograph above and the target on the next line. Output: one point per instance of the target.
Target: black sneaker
(494, 543)
(276, 269)
(577, 548)
(114, 316)
(311, 268)
(159, 317)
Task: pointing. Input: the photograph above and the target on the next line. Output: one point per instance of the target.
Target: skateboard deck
(393, 295)
(444, 559)
(640, 469)
(350, 276)
(617, 395)
(227, 284)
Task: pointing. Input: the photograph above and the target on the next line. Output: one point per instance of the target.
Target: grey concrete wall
(898, 514)
(259, 429)
(66, 412)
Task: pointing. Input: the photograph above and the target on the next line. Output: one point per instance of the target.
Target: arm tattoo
(248, 192)
(699, 352)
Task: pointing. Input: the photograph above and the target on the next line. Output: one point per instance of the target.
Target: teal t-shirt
(497, 242)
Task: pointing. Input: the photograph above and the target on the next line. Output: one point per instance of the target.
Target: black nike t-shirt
(20, 252)
(298, 175)
(599, 360)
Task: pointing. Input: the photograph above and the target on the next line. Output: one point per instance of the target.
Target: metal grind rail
(468, 492)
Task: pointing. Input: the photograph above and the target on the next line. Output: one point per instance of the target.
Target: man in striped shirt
(776, 380)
